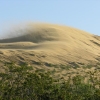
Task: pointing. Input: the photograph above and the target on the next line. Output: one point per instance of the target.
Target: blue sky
(81, 14)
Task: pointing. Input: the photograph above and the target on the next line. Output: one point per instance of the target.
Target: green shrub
(23, 83)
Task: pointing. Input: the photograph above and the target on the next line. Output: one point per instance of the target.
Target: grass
(23, 83)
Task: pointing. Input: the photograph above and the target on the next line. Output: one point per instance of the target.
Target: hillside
(51, 44)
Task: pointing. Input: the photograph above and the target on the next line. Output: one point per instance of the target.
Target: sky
(80, 14)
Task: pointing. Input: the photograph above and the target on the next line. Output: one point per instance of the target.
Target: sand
(45, 44)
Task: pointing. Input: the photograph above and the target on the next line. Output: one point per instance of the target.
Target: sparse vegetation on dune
(24, 83)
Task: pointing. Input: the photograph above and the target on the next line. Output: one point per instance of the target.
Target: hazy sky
(81, 14)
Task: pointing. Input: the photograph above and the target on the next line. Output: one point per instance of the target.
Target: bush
(23, 83)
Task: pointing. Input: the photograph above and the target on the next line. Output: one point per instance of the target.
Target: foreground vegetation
(24, 83)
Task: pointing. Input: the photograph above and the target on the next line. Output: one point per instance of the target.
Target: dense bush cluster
(23, 83)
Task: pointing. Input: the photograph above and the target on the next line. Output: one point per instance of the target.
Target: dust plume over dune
(48, 43)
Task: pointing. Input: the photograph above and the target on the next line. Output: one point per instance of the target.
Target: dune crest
(50, 43)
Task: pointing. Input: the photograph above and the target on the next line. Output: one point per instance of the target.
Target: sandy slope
(47, 43)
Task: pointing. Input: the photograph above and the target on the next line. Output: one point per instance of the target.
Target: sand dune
(48, 43)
